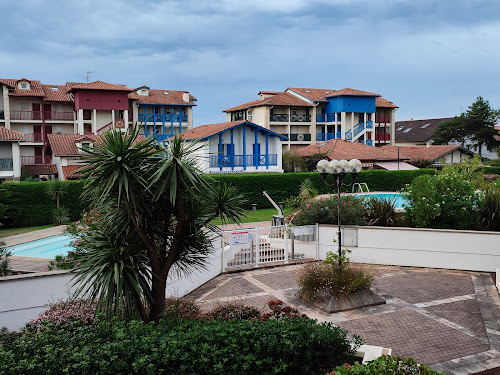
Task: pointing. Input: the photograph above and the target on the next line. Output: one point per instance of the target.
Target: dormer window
(143, 92)
(54, 89)
(23, 85)
(84, 146)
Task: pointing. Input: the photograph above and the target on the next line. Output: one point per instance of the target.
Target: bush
(381, 211)
(292, 346)
(27, 203)
(64, 314)
(4, 259)
(180, 308)
(324, 211)
(292, 162)
(489, 209)
(228, 311)
(442, 201)
(386, 365)
(321, 281)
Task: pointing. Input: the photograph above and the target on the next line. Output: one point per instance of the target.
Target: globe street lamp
(339, 169)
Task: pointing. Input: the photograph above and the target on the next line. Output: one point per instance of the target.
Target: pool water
(400, 199)
(45, 248)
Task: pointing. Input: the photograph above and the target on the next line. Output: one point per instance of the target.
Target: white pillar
(125, 120)
(6, 106)
(80, 122)
(112, 119)
(94, 121)
(16, 160)
(189, 112)
(343, 124)
(312, 128)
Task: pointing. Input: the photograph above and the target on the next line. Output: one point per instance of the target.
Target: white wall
(416, 247)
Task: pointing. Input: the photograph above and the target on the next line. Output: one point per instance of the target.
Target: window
(54, 89)
(425, 125)
(143, 92)
(294, 111)
(407, 130)
(400, 128)
(23, 86)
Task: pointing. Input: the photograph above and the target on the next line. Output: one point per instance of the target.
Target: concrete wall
(415, 247)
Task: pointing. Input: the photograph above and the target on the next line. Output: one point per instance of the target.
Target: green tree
(477, 125)
(55, 189)
(156, 213)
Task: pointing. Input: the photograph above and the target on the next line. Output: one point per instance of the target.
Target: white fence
(23, 297)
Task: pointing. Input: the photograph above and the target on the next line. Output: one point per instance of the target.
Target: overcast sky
(431, 58)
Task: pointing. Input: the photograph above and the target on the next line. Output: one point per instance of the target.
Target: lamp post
(338, 169)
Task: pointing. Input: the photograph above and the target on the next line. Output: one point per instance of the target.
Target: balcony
(382, 119)
(382, 137)
(6, 164)
(217, 161)
(34, 137)
(326, 136)
(25, 115)
(369, 142)
(278, 117)
(151, 117)
(300, 118)
(58, 116)
(37, 159)
(300, 137)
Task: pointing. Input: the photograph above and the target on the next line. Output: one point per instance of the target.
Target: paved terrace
(447, 319)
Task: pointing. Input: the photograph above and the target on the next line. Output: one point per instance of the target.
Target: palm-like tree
(157, 210)
(55, 189)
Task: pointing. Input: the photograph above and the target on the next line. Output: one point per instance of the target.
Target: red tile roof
(65, 144)
(342, 149)
(36, 170)
(72, 172)
(11, 135)
(384, 103)
(351, 92)
(35, 87)
(269, 92)
(280, 99)
(316, 95)
(206, 131)
(59, 95)
(432, 152)
(97, 85)
(174, 97)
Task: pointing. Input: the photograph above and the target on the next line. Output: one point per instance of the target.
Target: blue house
(237, 147)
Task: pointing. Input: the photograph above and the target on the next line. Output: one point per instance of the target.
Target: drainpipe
(44, 136)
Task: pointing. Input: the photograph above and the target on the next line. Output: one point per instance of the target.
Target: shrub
(278, 311)
(294, 346)
(489, 209)
(64, 314)
(321, 281)
(311, 161)
(67, 261)
(60, 215)
(324, 211)
(228, 311)
(180, 308)
(386, 365)
(442, 201)
(292, 162)
(381, 211)
(8, 337)
(4, 259)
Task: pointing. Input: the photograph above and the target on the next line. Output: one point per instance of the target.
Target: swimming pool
(400, 199)
(45, 248)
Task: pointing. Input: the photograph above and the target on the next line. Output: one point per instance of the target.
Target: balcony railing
(382, 119)
(369, 142)
(326, 136)
(2, 115)
(34, 137)
(217, 161)
(25, 115)
(6, 164)
(58, 116)
(300, 137)
(300, 118)
(37, 159)
(369, 124)
(278, 117)
(150, 117)
(382, 137)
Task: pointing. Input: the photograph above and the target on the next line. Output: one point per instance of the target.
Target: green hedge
(281, 186)
(26, 204)
(290, 346)
(492, 170)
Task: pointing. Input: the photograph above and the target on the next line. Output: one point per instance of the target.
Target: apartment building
(38, 110)
(306, 116)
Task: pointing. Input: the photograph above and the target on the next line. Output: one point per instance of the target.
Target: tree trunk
(57, 200)
(158, 288)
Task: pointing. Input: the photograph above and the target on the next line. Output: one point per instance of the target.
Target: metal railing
(358, 129)
(326, 136)
(151, 117)
(369, 142)
(217, 161)
(58, 116)
(25, 115)
(34, 137)
(36, 159)
(382, 119)
(278, 117)
(300, 118)
(300, 137)
(6, 164)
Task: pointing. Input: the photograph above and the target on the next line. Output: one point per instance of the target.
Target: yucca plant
(55, 189)
(307, 189)
(60, 215)
(4, 259)
(489, 211)
(381, 211)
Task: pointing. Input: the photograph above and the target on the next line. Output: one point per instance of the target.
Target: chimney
(411, 118)
(185, 97)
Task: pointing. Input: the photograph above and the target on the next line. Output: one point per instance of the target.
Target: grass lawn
(264, 214)
(12, 231)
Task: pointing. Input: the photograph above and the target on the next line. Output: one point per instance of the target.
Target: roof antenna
(87, 76)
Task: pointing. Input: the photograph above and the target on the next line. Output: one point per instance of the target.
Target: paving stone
(279, 279)
(235, 287)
